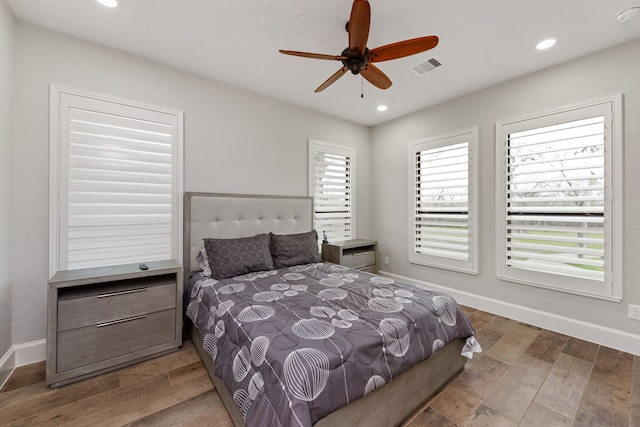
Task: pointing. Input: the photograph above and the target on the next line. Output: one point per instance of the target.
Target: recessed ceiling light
(545, 44)
(628, 14)
(382, 108)
(109, 3)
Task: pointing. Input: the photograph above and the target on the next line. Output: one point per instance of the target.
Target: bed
(302, 342)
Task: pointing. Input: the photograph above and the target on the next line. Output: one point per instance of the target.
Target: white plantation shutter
(443, 201)
(555, 199)
(119, 182)
(557, 214)
(332, 168)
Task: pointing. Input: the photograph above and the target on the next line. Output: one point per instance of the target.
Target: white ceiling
(482, 43)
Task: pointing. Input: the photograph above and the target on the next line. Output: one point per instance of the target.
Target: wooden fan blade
(331, 79)
(376, 77)
(402, 49)
(313, 55)
(359, 26)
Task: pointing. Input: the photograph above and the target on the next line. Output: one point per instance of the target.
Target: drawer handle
(126, 319)
(361, 253)
(113, 294)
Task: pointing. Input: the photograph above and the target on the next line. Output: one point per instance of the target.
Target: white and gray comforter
(295, 344)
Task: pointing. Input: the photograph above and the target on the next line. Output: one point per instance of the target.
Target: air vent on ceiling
(426, 66)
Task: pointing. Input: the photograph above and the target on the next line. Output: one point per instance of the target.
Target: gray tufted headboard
(226, 216)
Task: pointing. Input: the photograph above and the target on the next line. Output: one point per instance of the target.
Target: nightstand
(358, 253)
(104, 318)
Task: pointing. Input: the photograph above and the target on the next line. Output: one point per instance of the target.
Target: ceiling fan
(358, 59)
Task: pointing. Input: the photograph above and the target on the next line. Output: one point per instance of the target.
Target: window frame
(336, 149)
(57, 171)
(470, 265)
(611, 287)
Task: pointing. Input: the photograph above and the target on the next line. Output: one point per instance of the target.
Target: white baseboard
(31, 352)
(7, 365)
(20, 355)
(620, 340)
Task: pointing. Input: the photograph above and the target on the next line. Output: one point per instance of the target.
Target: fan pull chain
(361, 87)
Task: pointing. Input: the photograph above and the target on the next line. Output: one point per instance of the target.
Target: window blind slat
(122, 119)
(131, 230)
(83, 162)
(534, 229)
(555, 209)
(521, 170)
(450, 184)
(94, 242)
(435, 209)
(85, 174)
(551, 220)
(118, 209)
(462, 217)
(435, 237)
(112, 254)
(516, 182)
(462, 256)
(107, 142)
(529, 160)
(428, 168)
(118, 219)
(579, 188)
(554, 246)
(93, 197)
(441, 246)
(455, 200)
(123, 187)
(567, 238)
(117, 154)
(560, 259)
(560, 269)
(105, 262)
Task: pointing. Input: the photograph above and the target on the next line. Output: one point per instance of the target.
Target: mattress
(295, 344)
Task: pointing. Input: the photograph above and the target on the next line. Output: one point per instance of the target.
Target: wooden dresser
(104, 318)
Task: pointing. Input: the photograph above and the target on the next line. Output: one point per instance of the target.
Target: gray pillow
(294, 249)
(235, 257)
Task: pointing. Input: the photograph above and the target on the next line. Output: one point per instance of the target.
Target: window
(115, 181)
(559, 222)
(443, 201)
(331, 170)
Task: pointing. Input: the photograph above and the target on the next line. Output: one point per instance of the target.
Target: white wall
(235, 141)
(7, 30)
(605, 73)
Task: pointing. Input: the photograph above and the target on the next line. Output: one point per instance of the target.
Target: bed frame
(239, 215)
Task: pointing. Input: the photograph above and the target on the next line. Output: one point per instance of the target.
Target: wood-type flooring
(526, 376)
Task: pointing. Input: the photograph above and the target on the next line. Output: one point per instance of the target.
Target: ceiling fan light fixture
(357, 57)
(109, 3)
(545, 44)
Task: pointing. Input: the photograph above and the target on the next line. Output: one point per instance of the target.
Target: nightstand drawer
(114, 302)
(92, 344)
(359, 254)
(359, 259)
